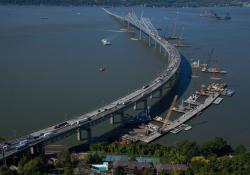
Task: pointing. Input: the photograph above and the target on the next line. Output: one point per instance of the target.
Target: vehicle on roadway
(61, 125)
(22, 144)
(82, 121)
(126, 102)
(47, 134)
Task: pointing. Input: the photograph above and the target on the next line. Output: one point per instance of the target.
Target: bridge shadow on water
(182, 83)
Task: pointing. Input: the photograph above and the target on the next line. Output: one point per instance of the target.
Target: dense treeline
(2, 139)
(157, 3)
(212, 157)
(39, 166)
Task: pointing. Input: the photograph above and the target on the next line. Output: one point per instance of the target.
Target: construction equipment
(166, 120)
(210, 56)
(214, 69)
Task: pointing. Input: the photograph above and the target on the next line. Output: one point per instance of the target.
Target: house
(170, 167)
(132, 167)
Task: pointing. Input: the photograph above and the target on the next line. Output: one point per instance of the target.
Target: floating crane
(166, 120)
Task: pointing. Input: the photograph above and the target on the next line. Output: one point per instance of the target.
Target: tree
(21, 164)
(94, 158)
(4, 170)
(198, 165)
(131, 157)
(188, 149)
(67, 165)
(2, 139)
(35, 166)
(240, 149)
(217, 146)
(147, 171)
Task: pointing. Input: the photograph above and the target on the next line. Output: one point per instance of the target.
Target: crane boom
(166, 120)
(210, 56)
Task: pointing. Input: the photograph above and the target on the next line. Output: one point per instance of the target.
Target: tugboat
(106, 42)
(101, 69)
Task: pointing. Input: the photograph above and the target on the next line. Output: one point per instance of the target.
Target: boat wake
(115, 31)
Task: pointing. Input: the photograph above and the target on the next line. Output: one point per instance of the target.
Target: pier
(157, 130)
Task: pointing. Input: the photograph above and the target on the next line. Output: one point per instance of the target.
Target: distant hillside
(149, 3)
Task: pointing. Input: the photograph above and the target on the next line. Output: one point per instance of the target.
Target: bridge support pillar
(155, 44)
(151, 95)
(140, 37)
(37, 149)
(160, 93)
(79, 134)
(112, 119)
(149, 41)
(135, 106)
(160, 49)
(145, 104)
(122, 117)
(32, 150)
(89, 134)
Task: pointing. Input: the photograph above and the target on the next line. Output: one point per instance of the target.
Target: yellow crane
(166, 120)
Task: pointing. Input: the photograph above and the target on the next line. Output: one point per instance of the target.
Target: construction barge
(159, 126)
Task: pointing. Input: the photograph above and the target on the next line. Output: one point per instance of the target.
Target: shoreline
(110, 6)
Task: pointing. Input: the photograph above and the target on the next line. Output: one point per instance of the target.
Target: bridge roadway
(38, 138)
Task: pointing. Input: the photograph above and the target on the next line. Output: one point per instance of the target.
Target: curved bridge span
(37, 140)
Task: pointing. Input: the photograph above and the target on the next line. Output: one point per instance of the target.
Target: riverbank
(147, 3)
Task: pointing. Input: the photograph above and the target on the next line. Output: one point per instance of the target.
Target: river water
(49, 60)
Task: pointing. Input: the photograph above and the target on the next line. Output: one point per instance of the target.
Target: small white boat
(228, 92)
(188, 128)
(123, 29)
(218, 100)
(134, 39)
(106, 42)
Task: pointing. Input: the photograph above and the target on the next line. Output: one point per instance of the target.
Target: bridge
(35, 142)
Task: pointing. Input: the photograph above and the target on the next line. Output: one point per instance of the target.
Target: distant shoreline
(65, 5)
(79, 3)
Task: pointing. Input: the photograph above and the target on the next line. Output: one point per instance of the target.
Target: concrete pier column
(149, 41)
(151, 95)
(122, 117)
(112, 119)
(32, 150)
(145, 104)
(155, 44)
(140, 37)
(38, 149)
(160, 92)
(89, 134)
(79, 134)
(135, 106)
(160, 49)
